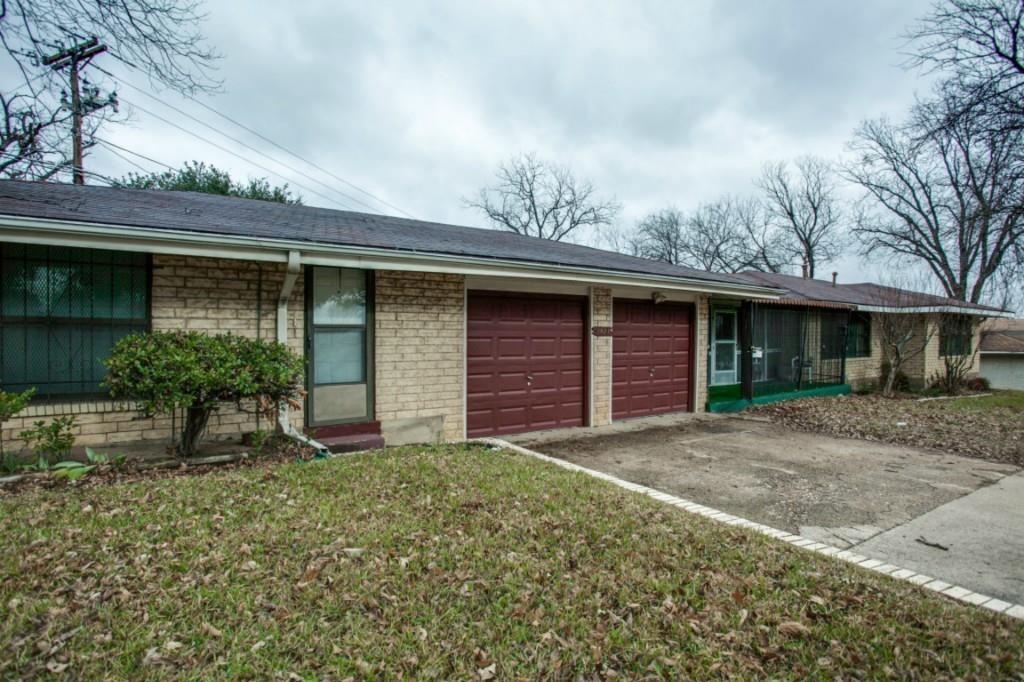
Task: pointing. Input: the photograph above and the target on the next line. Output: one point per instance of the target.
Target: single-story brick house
(412, 331)
(1002, 353)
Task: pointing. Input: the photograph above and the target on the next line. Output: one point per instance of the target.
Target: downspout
(283, 422)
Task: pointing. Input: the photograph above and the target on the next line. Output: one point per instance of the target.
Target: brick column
(700, 365)
(600, 357)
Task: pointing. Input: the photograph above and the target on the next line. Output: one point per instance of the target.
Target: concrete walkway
(976, 540)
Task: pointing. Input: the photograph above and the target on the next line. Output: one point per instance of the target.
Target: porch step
(353, 443)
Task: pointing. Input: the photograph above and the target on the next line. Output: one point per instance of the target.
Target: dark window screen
(61, 312)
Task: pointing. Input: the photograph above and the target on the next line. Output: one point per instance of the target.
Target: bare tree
(979, 46)
(948, 197)
(622, 240)
(726, 235)
(713, 240)
(158, 37)
(661, 236)
(903, 336)
(543, 200)
(768, 248)
(30, 146)
(958, 360)
(806, 207)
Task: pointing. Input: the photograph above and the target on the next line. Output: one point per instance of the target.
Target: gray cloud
(657, 102)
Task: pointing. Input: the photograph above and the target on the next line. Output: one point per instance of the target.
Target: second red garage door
(651, 358)
(525, 359)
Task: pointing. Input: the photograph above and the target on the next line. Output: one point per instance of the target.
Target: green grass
(1009, 400)
(469, 559)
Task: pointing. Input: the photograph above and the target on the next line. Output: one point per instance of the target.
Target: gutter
(935, 309)
(155, 240)
(283, 422)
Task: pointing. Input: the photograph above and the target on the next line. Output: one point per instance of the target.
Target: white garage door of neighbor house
(1003, 371)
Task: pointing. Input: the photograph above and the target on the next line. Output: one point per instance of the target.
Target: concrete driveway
(955, 518)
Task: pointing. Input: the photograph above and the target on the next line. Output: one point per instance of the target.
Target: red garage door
(651, 365)
(524, 364)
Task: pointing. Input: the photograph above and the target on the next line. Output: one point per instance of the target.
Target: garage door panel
(651, 363)
(532, 351)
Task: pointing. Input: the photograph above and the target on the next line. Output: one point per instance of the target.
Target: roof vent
(834, 275)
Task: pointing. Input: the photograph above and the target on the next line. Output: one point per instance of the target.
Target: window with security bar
(61, 312)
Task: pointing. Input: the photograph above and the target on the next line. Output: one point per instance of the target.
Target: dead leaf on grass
(794, 629)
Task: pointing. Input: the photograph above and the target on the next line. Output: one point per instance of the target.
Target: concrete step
(353, 443)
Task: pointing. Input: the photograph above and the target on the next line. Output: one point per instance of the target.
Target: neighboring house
(412, 331)
(1002, 353)
(822, 338)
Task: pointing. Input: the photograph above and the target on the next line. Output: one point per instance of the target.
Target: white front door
(724, 347)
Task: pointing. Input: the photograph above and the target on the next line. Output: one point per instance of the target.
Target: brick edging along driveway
(953, 591)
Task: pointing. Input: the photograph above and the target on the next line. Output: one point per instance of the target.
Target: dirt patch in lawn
(987, 427)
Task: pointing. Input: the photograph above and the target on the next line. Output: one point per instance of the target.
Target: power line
(123, 157)
(248, 146)
(239, 156)
(265, 139)
(301, 158)
(108, 143)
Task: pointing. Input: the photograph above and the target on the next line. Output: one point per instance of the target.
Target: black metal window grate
(858, 337)
(62, 310)
(955, 333)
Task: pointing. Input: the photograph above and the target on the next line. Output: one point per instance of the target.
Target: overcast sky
(658, 104)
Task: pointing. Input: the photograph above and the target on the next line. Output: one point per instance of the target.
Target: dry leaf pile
(983, 428)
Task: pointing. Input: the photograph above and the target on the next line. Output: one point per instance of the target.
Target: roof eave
(207, 244)
(960, 310)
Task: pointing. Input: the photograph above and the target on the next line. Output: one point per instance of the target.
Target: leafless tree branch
(806, 207)
(540, 199)
(948, 196)
(159, 37)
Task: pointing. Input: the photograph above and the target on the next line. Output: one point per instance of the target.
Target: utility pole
(75, 58)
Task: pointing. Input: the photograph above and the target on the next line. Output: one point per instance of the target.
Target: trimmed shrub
(196, 372)
(978, 384)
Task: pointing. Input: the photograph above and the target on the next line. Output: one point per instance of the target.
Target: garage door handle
(652, 371)
(529, 380)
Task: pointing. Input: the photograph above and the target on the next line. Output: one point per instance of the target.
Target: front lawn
(446, 562)
(988, 427)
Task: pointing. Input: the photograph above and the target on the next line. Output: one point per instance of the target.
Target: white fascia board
(176, 242)
(934, 309)
(1002, 352)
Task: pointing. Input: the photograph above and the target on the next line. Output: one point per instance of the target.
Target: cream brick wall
(420, 351)
(601, 357)
(863, 372)
(933, 363)
(925, 366)
(700, 371)
(202, 294)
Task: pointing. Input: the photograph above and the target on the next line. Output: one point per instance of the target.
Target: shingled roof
(212, 214)
(1002, 336)
(863, 295)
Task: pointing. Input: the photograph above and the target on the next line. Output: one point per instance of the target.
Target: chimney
(805, 270)
(834, 275)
